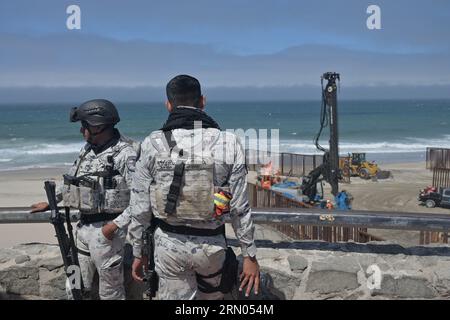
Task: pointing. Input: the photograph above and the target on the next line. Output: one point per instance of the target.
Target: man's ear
(202, 103)
(169, 106)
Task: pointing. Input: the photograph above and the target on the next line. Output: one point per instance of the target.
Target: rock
(355, 296)
(346, 263)
(38, 249)
(267, 254)
(7, 254)
(284, 284)
(20, 280)
(52, 284)
(50, 263)
(32, 248)
(428, 261)
(297, 263)
(329, 281)
(405, 287)
(21, 259)
(442, 270)
(334, 275)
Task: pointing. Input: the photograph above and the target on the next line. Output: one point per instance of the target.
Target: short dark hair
(184, 90)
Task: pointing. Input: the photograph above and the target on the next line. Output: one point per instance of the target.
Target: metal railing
(303, 223)
(308, 216)
(261, 198)
(331, 227)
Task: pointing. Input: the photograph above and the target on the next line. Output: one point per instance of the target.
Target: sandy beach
(396, 194)
(22, 188)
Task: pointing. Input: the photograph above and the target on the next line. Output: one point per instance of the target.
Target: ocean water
(40, 135)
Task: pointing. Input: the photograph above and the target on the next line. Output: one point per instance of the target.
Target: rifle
(150, 275)
(66, 242)
(81, 180)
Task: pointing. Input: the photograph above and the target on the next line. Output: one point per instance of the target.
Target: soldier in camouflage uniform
(100, 234)
(187, 244)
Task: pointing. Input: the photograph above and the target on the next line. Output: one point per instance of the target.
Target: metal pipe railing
(12, 215)
(295, 216)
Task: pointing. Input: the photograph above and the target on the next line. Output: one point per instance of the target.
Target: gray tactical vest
(88, 194)
(192, 172)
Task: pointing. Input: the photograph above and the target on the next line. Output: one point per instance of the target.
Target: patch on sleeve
(131, 163)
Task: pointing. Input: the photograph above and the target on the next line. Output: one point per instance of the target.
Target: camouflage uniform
(95, 251)
(179, 257)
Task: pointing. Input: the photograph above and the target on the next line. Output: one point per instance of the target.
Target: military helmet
(96, 112)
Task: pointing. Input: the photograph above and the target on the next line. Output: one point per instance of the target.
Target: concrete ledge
(299, 270)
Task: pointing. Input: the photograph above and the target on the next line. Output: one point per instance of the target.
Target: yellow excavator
(355, 164)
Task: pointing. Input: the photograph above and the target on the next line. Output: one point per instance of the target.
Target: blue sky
(224, 43)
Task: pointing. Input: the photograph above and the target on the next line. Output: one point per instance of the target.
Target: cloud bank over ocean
(240, 50)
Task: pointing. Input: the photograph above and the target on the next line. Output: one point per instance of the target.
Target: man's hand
(109, 229)
(138, 267)
(250, 275)
(39, 207)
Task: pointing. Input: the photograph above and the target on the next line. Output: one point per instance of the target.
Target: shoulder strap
(81, 158)
(175, 186)
(170, 140)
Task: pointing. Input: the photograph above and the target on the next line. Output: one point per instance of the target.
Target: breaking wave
(408, 145)
(42, 149)
(374, 147)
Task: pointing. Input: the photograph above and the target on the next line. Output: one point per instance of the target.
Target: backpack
(183, 186)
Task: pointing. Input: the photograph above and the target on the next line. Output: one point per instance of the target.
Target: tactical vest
(183, 182)
(91, 194)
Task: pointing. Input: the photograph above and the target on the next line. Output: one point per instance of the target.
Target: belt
(97, 217)
(188, 231)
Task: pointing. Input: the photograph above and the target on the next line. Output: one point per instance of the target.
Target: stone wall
(291, 270)
(35, 271)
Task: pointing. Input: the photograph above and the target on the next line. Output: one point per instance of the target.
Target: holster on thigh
(229, 274)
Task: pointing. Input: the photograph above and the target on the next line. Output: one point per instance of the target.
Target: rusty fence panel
(441, 178)
(262, 198)
(438, 158)
(289, 164)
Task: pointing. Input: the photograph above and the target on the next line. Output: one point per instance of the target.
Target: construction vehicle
(329, 169)
(355, 164)
(433, 197)
(312, 184)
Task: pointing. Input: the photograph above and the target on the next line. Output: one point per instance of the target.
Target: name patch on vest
(166, 164)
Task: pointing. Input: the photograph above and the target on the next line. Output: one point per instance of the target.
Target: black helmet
(96, 112)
